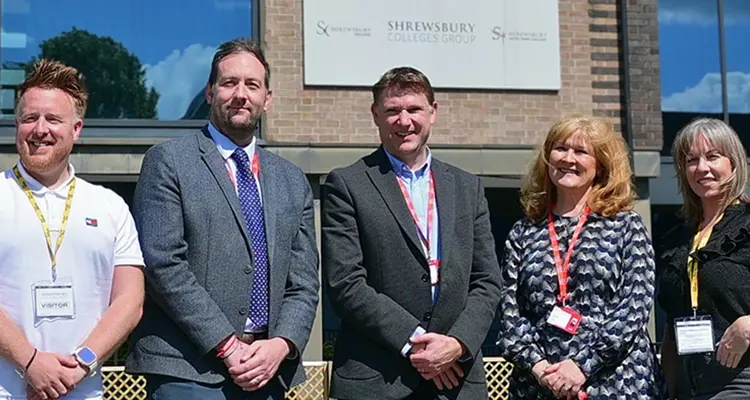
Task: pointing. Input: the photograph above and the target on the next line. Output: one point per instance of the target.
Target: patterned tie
(253, 211)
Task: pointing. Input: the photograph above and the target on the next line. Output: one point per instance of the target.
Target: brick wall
(645, 76)
(606, 56)
(588, 55)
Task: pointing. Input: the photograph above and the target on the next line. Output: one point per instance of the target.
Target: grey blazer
(377, 278)
(199, 260)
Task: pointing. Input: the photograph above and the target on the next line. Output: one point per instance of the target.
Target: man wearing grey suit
(408, 260)
(228, 237)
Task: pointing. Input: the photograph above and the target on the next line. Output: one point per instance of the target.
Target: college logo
(498, 33)
(447, 32)
(324, 29)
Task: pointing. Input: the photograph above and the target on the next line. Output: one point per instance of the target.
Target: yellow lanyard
(45, 226)
(699, 241)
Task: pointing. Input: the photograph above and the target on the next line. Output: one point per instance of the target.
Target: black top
(723, 273)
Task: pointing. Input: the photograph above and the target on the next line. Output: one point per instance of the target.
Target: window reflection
(142, 59)
(737, 28)
(690, 63)
(691, 87)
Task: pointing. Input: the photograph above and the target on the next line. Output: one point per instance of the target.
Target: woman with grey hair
(705, 274)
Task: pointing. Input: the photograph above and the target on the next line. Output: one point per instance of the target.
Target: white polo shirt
(100, 235)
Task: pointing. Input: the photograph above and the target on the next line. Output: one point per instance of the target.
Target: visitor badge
(53, 300)
(694, 335)
(565, 318)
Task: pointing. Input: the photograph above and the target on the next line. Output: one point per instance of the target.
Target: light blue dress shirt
(417, 184)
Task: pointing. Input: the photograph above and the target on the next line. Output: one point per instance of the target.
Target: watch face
(86, 355)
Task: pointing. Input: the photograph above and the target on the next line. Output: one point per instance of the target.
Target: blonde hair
(612, 190)
(48, 74)
(724, 139)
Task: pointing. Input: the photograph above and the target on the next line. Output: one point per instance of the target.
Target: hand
(440, 351)
(74, 377)
(49, 375)
(32, 394)
(564, 379)
(260, 364)
(448, 379)
(417, 348)
(538, 370)
(734, 343)
(241, 352)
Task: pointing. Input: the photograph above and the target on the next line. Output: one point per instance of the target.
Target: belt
(248, 338)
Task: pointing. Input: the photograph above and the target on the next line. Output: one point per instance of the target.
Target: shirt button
(427, 316)
(243, 310)
(425, 278)
(249, 269)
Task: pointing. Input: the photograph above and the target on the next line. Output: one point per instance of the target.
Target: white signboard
(468, 44)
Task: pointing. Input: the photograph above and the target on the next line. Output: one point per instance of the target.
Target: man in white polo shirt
(72, 283)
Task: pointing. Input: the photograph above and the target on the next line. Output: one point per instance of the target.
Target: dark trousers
(425, 391)
(709, 380)
(159, 387)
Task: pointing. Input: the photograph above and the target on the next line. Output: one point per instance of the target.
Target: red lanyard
(254, 168)
(564, 267)
(430, 212)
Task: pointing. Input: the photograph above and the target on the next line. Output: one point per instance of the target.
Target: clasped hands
(563, 379)
(253, 365)
(435, 357)
(52, 376)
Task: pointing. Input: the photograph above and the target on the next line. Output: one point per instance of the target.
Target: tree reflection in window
(142, 59)
(114, 76)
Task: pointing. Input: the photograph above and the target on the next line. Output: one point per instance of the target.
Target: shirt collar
(38, 188)
(402, 170)
(226, 146)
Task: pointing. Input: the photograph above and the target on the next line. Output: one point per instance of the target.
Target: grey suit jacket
(377, 277)
(199, 259)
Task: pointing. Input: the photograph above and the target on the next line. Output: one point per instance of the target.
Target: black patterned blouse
(724, 284)
(611, 284)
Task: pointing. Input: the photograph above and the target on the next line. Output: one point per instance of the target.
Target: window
(691, 81)
(145, 60)
(690, 64)
(737, 32)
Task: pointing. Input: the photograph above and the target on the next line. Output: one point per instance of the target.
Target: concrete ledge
(500, 162)
(647, 164)
(318, 160)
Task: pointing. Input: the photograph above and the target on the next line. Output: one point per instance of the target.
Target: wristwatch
(87, 358)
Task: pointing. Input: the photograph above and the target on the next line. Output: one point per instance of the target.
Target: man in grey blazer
(228, 236)
(408, 260)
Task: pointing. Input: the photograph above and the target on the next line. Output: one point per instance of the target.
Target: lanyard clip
(563, 299)
(695, 313)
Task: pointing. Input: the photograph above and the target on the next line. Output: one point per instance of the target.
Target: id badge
(53, 300)
(565, 318)
(694, 335)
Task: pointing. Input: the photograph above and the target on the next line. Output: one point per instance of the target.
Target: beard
(232, 129)
(44, 163)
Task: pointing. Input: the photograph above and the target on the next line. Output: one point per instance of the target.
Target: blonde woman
(578, 274)
(711, 257)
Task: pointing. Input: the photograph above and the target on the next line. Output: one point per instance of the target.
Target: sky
(174, 40)
(689, 50)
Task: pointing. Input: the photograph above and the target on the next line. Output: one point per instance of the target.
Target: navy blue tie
(253, 210)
